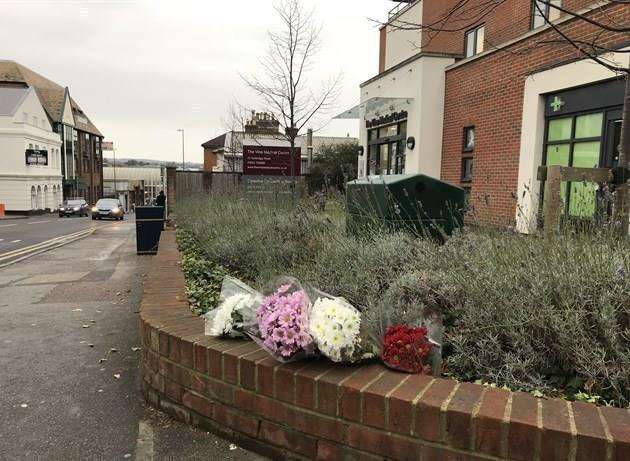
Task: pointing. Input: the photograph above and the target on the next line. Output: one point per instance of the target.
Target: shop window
(543, 12)
(386, 149)
(576, 141)
(474, 41)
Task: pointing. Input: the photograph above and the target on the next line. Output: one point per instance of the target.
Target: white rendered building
(30, 159)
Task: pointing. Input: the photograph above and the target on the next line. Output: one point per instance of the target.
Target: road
(69, 386)
(21, 234)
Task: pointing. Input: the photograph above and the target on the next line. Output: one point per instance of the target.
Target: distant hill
(131, 162)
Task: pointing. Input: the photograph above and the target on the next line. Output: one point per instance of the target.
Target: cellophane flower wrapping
(413, 343)
(282, 319)
(235, 314)
(336, 328)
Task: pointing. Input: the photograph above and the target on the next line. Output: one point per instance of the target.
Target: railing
(402, 4)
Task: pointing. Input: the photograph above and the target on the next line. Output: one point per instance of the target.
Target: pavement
(69, 385)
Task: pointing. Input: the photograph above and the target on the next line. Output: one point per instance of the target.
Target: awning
(376, 107)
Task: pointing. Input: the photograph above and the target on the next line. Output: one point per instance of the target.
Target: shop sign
(387, 119)
(270, 161)
(36, 157)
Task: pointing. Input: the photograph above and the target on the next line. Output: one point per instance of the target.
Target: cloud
(142, 69)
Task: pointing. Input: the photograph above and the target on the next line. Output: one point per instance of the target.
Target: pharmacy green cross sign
(556, 104)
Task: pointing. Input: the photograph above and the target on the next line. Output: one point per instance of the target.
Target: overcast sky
(141, 69)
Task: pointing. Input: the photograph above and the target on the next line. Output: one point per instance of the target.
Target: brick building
(486, 104)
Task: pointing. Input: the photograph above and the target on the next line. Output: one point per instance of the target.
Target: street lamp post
(183, 159)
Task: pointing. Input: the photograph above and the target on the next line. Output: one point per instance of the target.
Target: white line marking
(15, 241)
(144, 445)
(36, 222)
(8, 225)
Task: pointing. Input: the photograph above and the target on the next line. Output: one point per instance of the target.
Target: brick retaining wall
(315, 409)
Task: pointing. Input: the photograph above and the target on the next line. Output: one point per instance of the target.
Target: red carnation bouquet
(407, 348)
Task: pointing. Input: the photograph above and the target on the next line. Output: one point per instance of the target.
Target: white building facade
(30, 153)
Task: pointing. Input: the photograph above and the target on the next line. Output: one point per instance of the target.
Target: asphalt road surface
(16, 234)
(69, 386)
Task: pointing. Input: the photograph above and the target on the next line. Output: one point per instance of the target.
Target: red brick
(373, 398)
(328, 388)
(427, 418)
(287, 438)
(198, 404)
(252, 403)
(186, 350)
(523, 433)
(305, 383)
(247, 367)
(231, 360)
(218, 390)
(215, 354)
(618, 422)
(489, 422)
(556, 433)
(284, 380)
(236, 421)
(591, 438)
(401, 403)
(459, 415)
(315, 424)
(176, 411)
(332, 451)
(200, 352)
(164, 343)
(381, 443)
(350, 392)
(199, 383)
(173, 390)
(264, 376)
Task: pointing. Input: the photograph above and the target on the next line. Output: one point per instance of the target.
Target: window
(386, 149)
(467, 169)
(469, 138)
(542, 12)
(576, 141)
(474, 41)
(468, 147)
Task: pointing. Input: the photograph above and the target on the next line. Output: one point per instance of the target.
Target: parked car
(108, 208)
(74, 207)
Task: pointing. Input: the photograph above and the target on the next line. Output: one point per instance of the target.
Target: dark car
(74, 207)
(108, 208)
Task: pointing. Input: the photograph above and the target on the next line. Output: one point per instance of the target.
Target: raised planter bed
(316, 409)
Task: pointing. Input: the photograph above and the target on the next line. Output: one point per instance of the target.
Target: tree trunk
(293, 178)
(622, 201)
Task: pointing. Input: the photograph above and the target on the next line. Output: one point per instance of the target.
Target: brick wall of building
(209, 159)
(506, 20)
(488, 93)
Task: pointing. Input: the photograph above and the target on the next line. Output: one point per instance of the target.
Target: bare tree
(464, 14)
(284, 84)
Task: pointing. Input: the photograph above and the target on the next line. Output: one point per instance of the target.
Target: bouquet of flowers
(236, 313)
(335, 326)
(406, 348)
(283, 322)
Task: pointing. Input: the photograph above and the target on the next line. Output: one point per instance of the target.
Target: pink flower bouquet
(283, 322)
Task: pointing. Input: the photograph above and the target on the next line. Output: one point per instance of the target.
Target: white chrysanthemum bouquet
(335, 326)
(236, 313)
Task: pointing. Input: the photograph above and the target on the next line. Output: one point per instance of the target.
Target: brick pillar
(171, 188)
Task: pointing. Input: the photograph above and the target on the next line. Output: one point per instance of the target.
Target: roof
(51, 94)
(217, 142)
(81, 120)
(151, 175)
(11, 97)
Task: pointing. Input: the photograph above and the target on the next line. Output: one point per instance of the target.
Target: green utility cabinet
(419, 203)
